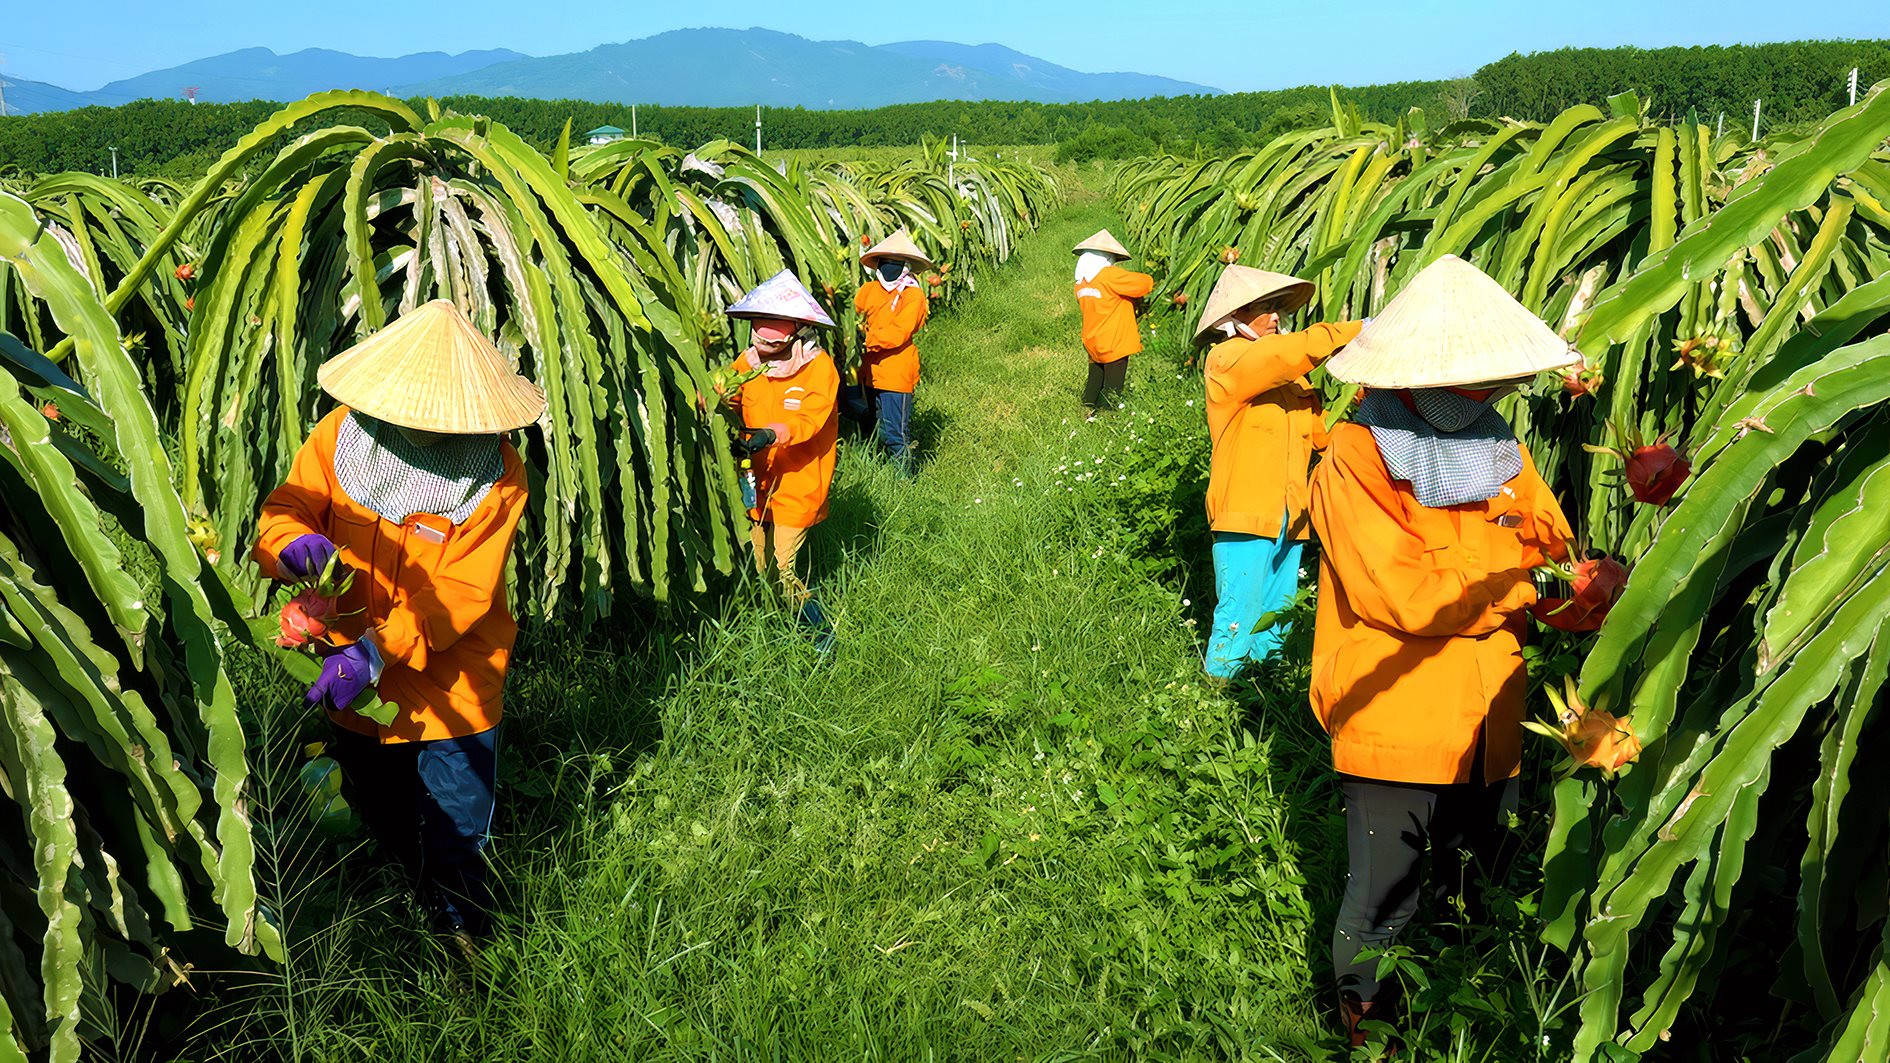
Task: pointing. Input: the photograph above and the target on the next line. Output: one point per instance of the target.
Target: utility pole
(633, 121)
(1721, 130)
(1756, 104)
(114, 151)
(951, 166)
(1853, 86)
(757, 130)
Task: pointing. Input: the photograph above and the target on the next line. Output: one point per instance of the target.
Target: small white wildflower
(1302, 572)
(1191, 402)
(1185, 602)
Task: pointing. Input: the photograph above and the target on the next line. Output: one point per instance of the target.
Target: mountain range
(700, 67)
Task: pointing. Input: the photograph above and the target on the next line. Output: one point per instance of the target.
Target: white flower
(1186, 602)
(1302, 572)
(1191, 402)
(978, 501)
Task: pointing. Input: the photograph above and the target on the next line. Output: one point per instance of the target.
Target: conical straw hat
(433, 371)
(1452, 326)
(1241, 286)
(1103, 242)
(783, 296)
(898, 245)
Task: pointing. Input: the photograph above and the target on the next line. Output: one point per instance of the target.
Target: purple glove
(306, 556)
(344, 676)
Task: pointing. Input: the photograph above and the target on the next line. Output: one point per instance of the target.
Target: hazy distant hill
(727, 67)
(697, 67)
(260, 74)
(1050, 83)
(31, 97)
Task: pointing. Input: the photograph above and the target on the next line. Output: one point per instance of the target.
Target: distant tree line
(1800, 81)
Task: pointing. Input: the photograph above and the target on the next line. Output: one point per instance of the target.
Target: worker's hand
(306, 557)
(344, 676)
(754, 439)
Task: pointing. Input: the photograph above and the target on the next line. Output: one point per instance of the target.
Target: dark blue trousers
(895, 424)
(430, 805)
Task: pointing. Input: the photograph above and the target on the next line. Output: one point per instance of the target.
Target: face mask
(767, 347)
(419, 438)
(890, 270)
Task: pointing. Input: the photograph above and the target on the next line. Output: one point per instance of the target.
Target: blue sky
(1255, 44)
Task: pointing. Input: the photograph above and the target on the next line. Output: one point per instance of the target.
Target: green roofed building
(604, 134)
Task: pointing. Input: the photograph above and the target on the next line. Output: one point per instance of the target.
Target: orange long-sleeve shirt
(1109, 332)
(793, 476)
(1418, 641)
(432, 592)
(889, 357)
(1263, 417)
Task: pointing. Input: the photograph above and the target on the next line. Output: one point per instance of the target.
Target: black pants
(1105, 383)
(1388, 828)
(429, 805)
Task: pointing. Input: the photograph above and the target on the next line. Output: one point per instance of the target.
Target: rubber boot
(814, 622)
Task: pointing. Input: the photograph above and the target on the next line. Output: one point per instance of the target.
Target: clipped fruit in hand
(1594, 585)
(305, 619)
(1598, 582)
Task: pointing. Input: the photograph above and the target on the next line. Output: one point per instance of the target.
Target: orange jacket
(792, 477)
(1263, 417)
(889, 359)
(435, 598)
(1418, 642)
(1109, 332)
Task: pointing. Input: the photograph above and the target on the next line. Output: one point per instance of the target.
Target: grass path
(1006, 820)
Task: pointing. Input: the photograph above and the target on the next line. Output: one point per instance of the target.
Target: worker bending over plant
(1106, 294)
(411, 485)
(1264, 423)
(788, 408)
(892, 308)
(1430, 517)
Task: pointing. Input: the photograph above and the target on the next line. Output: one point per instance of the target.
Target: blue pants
(1253, 576)
(430, 805)
(895, 424)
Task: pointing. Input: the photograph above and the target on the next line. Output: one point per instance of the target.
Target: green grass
(1007, 819)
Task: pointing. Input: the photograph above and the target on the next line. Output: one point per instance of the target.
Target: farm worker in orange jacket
(1430, 517)
(1106, 294)
(411, 485)
(1263, 418)
(892, 308)
(789, 407)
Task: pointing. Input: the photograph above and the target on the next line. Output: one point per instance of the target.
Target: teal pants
(1253, 575)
